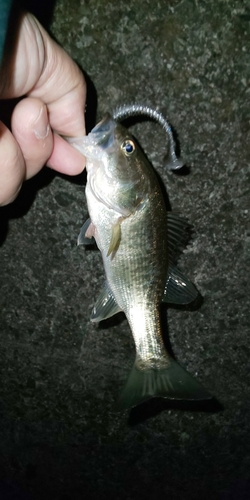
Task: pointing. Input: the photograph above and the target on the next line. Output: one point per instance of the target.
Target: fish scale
(138, 285)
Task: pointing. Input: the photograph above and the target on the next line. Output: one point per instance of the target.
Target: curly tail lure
(126, 111)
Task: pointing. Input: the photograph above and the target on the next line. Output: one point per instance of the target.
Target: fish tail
(172, 382)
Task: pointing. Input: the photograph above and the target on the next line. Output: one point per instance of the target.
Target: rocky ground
(60, 374)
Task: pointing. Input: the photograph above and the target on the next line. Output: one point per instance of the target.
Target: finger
(42, 69)
(65, 158)
(30, 127)
(12, 166)
(63, 88)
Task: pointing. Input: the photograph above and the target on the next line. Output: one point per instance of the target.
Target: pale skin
(53, 106)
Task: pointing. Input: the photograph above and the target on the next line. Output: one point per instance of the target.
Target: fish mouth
(103, 127)
(102, 135)
(99, 142)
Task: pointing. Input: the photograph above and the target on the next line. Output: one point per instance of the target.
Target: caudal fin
(172, 382)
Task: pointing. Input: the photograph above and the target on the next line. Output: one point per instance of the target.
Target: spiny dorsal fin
(178, 230)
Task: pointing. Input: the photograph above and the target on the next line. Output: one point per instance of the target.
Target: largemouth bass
(138, 240)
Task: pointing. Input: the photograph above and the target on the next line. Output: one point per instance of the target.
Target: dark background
(60, 374)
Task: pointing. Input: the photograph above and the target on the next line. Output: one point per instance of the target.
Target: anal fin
(105, 306)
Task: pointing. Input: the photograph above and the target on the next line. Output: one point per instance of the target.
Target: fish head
(116, 148)
(118, 171)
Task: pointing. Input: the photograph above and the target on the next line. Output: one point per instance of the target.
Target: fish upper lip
(103, 126)
(102, 133)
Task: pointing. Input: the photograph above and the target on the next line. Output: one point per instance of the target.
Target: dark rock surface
(60, 374)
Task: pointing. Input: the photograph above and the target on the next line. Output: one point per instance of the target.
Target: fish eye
(128, 147)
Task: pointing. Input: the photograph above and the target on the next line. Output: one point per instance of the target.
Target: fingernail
(41, 125)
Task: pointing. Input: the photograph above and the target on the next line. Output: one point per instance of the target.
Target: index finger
(63, 88)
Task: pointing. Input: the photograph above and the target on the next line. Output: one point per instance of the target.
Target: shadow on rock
(155, 406)
(21, 205)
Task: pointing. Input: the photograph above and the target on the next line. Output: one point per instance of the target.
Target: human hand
(55, 92)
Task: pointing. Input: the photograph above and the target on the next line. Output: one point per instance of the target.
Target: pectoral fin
(115, 239)
(105, 306)
(86, 235)
(178, 288)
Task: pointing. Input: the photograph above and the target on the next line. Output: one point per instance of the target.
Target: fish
(139, 240)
